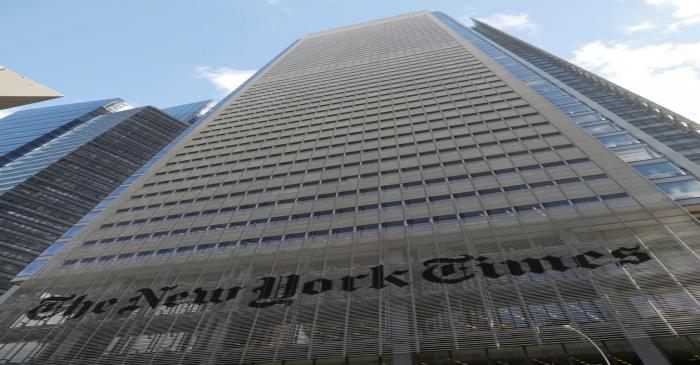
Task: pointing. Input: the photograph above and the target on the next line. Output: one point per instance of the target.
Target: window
(659, 170)
(602, 128)
(617, 140)
(33, 267)
(566, 100)
(681, 189)
(637, 154)
(586, 118)
(574, 109)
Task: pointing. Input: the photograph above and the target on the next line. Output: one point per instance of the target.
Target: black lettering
(81, 303)
(487, 269)
(171, 301)
(582, 259)
(349, 282)
(378, 278)
(99, 307)
(232, 293)
(556, 263)
(200, 296)
(535, 265)
(624, 252)
(441, 273)
(48, 307)
(310, 286)
(216, 296)
(265, 297)
(514, 267)
(151, 298)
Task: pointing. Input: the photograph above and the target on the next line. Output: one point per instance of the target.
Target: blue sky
(172, 52)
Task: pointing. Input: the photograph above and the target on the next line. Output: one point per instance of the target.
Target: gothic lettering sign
(271, 291)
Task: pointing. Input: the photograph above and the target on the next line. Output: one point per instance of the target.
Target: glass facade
(392, 192)
(188, 113)
(47, 190)
(25, 130)
(625, 113)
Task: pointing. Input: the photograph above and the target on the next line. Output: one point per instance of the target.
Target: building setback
(47, 190)
(399, 191)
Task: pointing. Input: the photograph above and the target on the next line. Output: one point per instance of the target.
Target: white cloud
(223, 78)
(505, 21)
(666, 73)
(686, 12)
(636, 28)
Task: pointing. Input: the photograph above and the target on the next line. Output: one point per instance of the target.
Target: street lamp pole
(570, 327)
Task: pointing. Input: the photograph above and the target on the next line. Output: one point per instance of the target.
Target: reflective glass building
(44, 192)
(22, 131)
(190, 114)
(401, 191)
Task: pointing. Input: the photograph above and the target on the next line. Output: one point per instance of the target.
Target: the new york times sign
(270, 291)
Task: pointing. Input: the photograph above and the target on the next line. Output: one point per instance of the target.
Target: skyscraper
(62, 162)
(25, 130)
(397, 191)
(190, 114)
(673, 139)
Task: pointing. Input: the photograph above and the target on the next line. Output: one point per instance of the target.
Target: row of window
(614, 139)
(437, 180)
(463, 148)
(455, 84)
(356, 86)
(369, 118)
(649, 118)
(386, 130)
(410, 135)
(333, 195)
(334, 180)
(400, 223)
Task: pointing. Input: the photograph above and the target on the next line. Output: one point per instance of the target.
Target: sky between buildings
(169, 52)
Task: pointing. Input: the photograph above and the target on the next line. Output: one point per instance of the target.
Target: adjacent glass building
(661, 144)
(190, 114)
(47, 189)
(400, 191)
(25, 130)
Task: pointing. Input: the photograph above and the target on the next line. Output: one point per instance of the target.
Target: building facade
(47, 190)
(190, 114)
(661, 144)
(16, 90)
(25, 130)
(396, 191)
